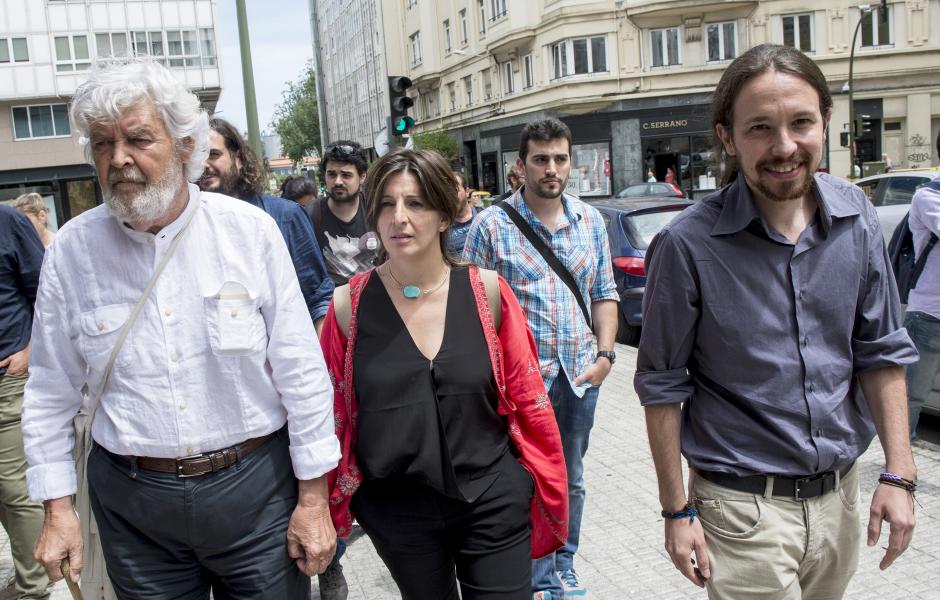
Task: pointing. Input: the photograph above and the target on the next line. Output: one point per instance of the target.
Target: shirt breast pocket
(100, 330)
(527, 264)
(236, 326)
(581, 263)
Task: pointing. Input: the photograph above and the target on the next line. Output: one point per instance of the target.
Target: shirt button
(100, 326)
(168, 312)
(189, 451)
(812, 388)
(802, 294)
(806, 341)
(183, 405)
(174, 357)
(818, 432)
(234, 313)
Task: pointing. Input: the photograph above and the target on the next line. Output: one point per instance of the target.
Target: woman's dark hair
(751, 64)
(544, 130)
(435, 178)
(251, 176)
(296, 187)
(343, 152)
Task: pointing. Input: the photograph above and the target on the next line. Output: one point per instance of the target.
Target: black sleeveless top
(435, 421)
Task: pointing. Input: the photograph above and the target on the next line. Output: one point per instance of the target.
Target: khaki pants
(21, 518)
(775, 548)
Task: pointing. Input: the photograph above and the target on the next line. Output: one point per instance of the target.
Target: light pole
(866, 11)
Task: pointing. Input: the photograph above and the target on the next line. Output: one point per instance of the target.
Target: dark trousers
(166, 537)
(430, 542)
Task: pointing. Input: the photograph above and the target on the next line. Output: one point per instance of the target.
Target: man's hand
(311, 539)
(896, 506)
(61, 538)
(595, 374)
(683, 538)
(17, 363)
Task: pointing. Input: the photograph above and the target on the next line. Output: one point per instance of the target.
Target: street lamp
(865, 10)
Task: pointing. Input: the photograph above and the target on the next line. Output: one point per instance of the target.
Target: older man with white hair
(181, 312)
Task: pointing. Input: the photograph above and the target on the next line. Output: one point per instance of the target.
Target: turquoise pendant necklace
(411, 291)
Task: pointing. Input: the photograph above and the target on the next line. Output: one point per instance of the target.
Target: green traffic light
(403, 124)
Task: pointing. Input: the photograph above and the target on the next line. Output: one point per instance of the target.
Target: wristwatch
(608, 354)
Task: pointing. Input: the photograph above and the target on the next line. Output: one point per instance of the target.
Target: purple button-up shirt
(763, 339)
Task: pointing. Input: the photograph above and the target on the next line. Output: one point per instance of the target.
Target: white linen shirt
(223, 350)
(924, 219)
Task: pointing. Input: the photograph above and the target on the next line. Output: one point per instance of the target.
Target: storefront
(68, 191)
(677, 148)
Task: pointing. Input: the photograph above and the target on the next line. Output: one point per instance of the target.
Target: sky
(279, 31)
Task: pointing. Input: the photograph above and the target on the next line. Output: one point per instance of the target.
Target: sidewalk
(621, 539)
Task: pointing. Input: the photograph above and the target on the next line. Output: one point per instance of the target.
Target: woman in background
(300, 189)
(452, 461)
(36, 210)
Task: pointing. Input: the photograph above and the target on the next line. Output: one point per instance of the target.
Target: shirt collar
(168, 232)
(574, 210)
(739, 210)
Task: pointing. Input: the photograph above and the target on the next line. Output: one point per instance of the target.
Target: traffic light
(844, 139)
(399, 103)
(862, 125)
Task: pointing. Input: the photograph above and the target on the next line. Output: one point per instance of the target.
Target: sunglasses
(344, 148)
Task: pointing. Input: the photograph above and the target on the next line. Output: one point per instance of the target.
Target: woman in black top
(443, 497)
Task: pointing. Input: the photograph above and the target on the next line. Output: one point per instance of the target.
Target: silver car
(891, 194)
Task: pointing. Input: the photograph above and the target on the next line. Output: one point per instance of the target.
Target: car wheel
(626, 333)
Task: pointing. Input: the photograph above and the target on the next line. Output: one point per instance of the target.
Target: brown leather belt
(199, 464)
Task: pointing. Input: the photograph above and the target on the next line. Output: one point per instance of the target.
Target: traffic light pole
(852, 100)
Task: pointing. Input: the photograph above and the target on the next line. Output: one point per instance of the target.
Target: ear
(727, 140)
(186, 148)
(521, 166)
(238, 160)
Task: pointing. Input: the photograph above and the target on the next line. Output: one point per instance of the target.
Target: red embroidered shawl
(522, 399)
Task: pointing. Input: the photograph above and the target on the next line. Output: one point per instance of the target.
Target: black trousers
(174, 538)
(430, 542)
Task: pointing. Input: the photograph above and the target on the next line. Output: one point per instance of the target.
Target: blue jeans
(924, 329)
(575, 418)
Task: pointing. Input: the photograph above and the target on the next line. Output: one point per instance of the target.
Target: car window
(900, 190)
(869, 188)
(642, 227)
(635, 191)
(606, 218)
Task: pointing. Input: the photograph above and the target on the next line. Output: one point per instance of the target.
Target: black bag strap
(549, 256)
(922, 260)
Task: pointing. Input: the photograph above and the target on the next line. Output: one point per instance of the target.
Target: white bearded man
(215, 428)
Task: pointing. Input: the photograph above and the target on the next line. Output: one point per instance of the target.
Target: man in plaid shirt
(572, 371)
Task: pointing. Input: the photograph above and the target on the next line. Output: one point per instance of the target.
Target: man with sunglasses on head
(233, 169)
(339, 219)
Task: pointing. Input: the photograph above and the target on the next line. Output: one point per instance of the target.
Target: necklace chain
(402, 286)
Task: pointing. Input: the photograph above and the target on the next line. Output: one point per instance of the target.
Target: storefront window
(81, 194)
(590, 170)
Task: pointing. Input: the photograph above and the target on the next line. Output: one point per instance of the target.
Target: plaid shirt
(562, 336)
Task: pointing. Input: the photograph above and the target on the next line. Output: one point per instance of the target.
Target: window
(207, 46)
(876, 32)
(40, 121)
(15, 48)
(468, 90)
(528, 72)
(415, 48)
(798, 32)
(110, 45)
(509, 84)
(464, 29)
(590, 170)
(452, 94)
(412, 3)
(665, 46)
(499, 8)
(721, 43)
(71, 53)
(578, 56)
(182, 49)
(148, 43)
(487, 84)
(447, 36)
(482, 13)
(429, 104)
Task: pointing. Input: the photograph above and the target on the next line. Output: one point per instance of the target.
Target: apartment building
(46, 49)
(632, 78)
(350, 62)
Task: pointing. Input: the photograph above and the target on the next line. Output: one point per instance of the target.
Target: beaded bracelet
(898, 481)
(689, 511)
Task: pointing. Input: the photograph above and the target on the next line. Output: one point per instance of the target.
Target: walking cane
(73, 587)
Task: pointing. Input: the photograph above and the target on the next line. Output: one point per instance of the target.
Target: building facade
(349, 52)
(632, 78)
(47, 47)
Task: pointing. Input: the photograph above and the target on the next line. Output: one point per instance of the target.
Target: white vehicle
(891, 194)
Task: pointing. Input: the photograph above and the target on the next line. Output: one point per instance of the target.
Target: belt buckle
(179, 466)
(801, 484)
